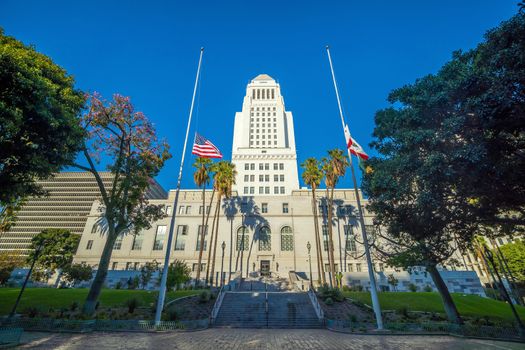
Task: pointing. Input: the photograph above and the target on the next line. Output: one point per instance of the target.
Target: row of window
(262, 109)
(358, 267)
(262, 136)
(263, 114)
(264, 178)
(263, 94)
(264, 166)
(264, 190)
(263, 120)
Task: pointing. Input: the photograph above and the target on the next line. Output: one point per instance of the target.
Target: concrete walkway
(252, 339)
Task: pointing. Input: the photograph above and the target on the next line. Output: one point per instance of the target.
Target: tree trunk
(318, 245)
(197, 279)
(208, 248)
(215, 241)
(446, 298)
(330, 236)
(102, 271)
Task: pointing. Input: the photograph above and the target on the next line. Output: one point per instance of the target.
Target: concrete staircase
(267, 310)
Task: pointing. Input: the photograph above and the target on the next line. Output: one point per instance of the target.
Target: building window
(265, 239)
(188, 210)
(327, 267)
(137, 241)
(267, 178)
(247, 166)
(252, 190)
(276, 177)
(266, 166)
(358, 267)
(160, 235)
(128, 265)
(281, 166)
(246, 190)
(94, 228)
(246, 179)
(181, 209)
(199, 237)
(381, 267)
(89, 244)
(267, 190)
(275, 166)
(114, 265)
(118, 242)
(285, 208)
(252, 166)
(325, 237)
(264, 208)
(282, 190)
(194, 267)
(350, 267)
(261, 166)
(252, 178)
(261, 190)
(261, 178)
(281, 177)
(242, 239)
(276, 190)
(287, 239)
(168, 210)
(350, 239)
(180, 240)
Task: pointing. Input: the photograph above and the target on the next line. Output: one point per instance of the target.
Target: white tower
(264, 142)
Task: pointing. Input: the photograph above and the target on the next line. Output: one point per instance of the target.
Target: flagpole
(373, 284)
(162, 291)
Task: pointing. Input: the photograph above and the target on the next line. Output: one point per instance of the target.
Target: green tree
(39, 126)
(178, 273)
(75, 273)
(9, 260)
(58, 249)
(223, 180)
(201, 177)
(146, 272)
(312, 176)
(514, 254)
(133, 154)
(333, 167)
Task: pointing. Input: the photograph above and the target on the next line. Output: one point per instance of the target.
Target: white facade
(264, 142)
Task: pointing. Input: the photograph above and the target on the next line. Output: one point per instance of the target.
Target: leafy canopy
(39, 126)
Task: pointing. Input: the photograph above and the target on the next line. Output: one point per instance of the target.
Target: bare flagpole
(373, 284)
(162, 291)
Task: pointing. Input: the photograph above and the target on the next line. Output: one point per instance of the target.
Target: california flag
(353, 146)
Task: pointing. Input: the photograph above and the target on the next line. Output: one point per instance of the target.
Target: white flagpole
(373, 284)
(162, 290)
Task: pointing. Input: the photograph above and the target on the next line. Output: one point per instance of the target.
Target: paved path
(252, 339)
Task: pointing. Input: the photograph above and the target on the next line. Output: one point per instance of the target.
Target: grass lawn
(468, 305)
(44, 298)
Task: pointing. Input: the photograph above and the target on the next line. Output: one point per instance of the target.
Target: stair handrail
(266, 305)
(217, 305)
(315, 303)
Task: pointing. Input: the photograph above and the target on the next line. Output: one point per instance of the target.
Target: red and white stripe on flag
(204, 148)
(353, 146)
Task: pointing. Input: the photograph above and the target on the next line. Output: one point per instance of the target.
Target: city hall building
(265, 228)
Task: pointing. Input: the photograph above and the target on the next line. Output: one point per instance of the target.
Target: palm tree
(312, 176)
(224, 179)
(333, 168)
(201, 176)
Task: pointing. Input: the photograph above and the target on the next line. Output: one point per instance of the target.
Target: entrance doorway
(265, 267)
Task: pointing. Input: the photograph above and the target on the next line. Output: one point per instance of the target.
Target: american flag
(204, 148)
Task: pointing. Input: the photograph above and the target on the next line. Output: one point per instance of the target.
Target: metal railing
(315, 303)
(217, 305)
(10, 336)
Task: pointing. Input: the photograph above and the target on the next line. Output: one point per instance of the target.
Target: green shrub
(132, 304)
(403, 311)
(358, 288)
(427, 288)
(73, 306)
(204, 296)
(412, 287)
(329, 301)
(31, 311)
(326, 292)
(118, 285)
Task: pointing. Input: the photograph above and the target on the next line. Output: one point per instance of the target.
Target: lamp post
(309, 246)
(37, 253)
(223, 246)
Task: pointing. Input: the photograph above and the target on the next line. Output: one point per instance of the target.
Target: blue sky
(148, 50)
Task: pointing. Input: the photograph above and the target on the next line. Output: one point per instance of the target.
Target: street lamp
(309, 246)
(223, 246)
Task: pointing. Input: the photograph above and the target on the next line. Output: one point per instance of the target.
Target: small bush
(358, 288)
(132, 304)
(118, 285)
(73, 306)
(346, 288)
(352, 318)
(326, 292)
(204, 296)
(427, 288)
(329, 301)
(31, 311)
(412, 287)
(403, 311)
